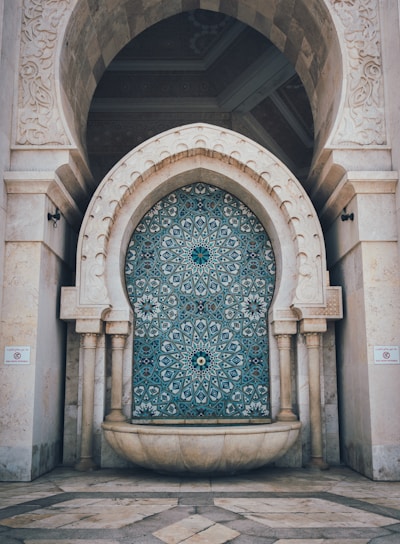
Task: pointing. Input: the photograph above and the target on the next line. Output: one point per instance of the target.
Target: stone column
(313, 342)
(369, 391)
(284, 346)
(35, 259)
(117, 346)
(283, 330)
(89, 344)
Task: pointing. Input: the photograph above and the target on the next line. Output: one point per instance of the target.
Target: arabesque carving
(363, 120)
(38, 117)
(227, 147)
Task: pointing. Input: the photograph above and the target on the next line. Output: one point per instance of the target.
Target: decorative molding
(363, 121)
(226, 147)
(333, 309)
(358, 182)
(47, 183)
(38, 118)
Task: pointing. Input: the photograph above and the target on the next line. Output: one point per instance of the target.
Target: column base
(115, 415)
(85, 465)
(318, 463)
(286, 415)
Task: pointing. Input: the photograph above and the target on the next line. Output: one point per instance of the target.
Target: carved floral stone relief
(363, 120)
(38, 118)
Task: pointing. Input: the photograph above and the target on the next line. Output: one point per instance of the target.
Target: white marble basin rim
(197, 448)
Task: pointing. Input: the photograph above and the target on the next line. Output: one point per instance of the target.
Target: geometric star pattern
(200, 275)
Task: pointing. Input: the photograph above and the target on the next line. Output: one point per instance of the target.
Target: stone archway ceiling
(200, 66)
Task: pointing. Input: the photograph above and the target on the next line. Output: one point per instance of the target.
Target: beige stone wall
(347, 56)
(391, 45)
(9, 25)
(365, 262)
(32, 394)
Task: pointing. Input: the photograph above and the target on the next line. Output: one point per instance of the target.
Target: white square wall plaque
(17, 355)
(386, 355)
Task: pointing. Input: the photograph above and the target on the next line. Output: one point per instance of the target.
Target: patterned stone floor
(269, 505)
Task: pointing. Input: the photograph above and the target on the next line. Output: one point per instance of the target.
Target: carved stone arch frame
(215, 155)
(221, 157)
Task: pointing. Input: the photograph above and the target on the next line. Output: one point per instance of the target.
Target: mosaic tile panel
(200, 275)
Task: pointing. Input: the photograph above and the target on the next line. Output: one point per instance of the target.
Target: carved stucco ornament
(363, 120)
(224, 146)
(38, 118)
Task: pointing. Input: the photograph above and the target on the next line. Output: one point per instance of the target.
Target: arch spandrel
(335, 47)
(304, 32)
(137, 179)
(48, 88)
(362, 119)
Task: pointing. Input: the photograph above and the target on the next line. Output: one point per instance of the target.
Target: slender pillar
(89, 343)
(117, 346)
(313, 342)
(284, 346)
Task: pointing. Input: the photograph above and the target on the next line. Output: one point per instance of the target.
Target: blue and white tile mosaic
(200, 275)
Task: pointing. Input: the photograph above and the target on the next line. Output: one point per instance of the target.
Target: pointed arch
(198, 152)
(306, 32)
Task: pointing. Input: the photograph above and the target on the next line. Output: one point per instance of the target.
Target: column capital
(313, 325)
(284, 327)
(118, 340)
(358, 182)
(120, 326)
(89, 340)
(313, 339)
(46, 182)
(284, 341)
(93, 325)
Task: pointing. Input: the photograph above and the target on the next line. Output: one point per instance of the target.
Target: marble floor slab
(269, 505)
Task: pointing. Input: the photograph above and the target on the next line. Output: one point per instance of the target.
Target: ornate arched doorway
(326, 42)
(244, 177)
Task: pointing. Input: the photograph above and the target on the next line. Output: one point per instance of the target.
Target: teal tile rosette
(200, 275)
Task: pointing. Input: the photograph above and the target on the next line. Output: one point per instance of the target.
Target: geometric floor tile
(388, 503)
(302, 513)
(17, 499)
(137, 506)
(196, 530)
(90, 514)
(74, 541)
(323, 540)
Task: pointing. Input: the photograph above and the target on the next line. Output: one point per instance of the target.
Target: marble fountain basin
(201, 448)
